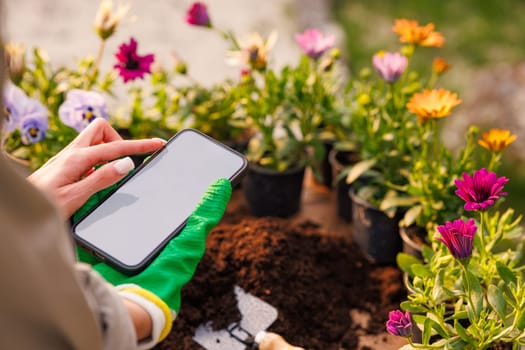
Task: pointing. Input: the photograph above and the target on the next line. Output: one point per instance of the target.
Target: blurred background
(485, 44)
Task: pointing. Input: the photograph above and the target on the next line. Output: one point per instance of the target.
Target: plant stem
(480, 235)
(96, 64)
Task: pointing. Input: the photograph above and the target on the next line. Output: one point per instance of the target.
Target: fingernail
(159, 139)
(124, 165)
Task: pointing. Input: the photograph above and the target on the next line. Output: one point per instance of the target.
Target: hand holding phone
(130, 227)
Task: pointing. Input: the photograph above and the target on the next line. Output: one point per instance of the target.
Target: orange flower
(436, 103)
(440, 65)
(411, 32)
(496, 140)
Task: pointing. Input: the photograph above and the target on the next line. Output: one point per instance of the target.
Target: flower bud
(407, 50)
(363, 99)
(15, 61)
(335, 53)
(440, 66)
(106, 21)
(181, 68)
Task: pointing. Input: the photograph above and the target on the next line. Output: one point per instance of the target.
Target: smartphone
(129, 228)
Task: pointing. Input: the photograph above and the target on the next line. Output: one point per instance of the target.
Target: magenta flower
(314, 43)
(399, 323)
(197, 15)
(130, 64)
(480, 191)
(81, 107)
(389, 65)
(458, 236)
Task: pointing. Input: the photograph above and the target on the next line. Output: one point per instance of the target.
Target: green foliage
(290, 111)
(476, 302)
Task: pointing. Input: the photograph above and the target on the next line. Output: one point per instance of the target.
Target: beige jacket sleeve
(47, 301)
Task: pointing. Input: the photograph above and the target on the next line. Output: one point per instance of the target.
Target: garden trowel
(256, 316)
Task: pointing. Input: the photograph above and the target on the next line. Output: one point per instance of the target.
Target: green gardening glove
(176, 264)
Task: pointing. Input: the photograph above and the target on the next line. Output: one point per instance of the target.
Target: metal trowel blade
(256, 315)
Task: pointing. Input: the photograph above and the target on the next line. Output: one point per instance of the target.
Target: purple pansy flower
(197, 15)
(389, 65)
(480, 191)
(130, 64)
(458, 236)
(399, 323)
(14, 101)
(314, 43)
(20, 110)
(81, 107)
(33, 127)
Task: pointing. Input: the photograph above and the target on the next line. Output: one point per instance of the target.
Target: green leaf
(421, 270)
(427, 252)
(405, 262)
(496, 300)
(505, 273)
(396, 201)
(520, 324)
(437, 290)
(462, 332)
(411, 215)
(413, 308)
(473, 289)
(359, 169)
(427, 330)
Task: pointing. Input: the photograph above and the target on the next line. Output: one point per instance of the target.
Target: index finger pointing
(109, 151)
(97, 132)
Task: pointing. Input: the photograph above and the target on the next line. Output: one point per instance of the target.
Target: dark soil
(312, 277)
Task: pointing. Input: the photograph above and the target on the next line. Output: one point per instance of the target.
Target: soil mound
(315, 280)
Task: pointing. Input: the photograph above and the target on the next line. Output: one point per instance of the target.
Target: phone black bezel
(135, 269)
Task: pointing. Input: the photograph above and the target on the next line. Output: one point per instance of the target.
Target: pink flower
(458, 236)
(197, 15)
(314, 43)
(389, 65)
(399, 324)
(480, 191)
(130, 64)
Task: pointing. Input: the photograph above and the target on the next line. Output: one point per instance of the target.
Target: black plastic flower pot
(374, 232)
(273, 193)
(339, 160)
(413, 238)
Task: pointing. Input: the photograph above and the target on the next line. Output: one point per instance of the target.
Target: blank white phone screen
(151, 205)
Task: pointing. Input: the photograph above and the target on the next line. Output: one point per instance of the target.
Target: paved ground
(64, 28)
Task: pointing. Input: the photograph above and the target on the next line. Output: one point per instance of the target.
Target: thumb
(98, 180)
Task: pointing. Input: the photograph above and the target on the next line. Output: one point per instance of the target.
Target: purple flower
(19, 107)
(314, 43)
(399, 323)
(81, 107)
(458, 236)
(130, 64)
(14, 101)
(389, 65)
(480, 191)
(33, 127)
(197, 15)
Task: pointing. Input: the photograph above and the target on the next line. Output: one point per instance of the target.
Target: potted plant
(286, 109)
(386, 134)
(469, 292)
(432, 181)
(49, 105)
